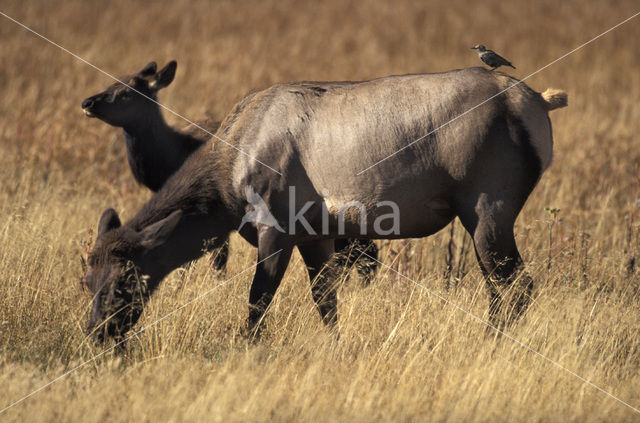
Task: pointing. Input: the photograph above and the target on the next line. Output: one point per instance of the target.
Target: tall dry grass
(403, 354)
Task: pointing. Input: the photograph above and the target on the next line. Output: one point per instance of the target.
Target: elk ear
(108, 221)
(165, 76)
(156, 234)
(148, 70)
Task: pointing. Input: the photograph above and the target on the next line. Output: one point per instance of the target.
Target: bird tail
(511, 65)
(555, 99)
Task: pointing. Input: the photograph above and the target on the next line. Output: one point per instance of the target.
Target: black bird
(491, 58)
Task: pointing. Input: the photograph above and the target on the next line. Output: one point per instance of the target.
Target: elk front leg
(319, 259)
(273, 257)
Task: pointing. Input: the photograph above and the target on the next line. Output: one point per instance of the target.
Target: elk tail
(555, 99)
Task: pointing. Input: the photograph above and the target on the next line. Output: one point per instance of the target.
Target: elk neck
(156, 150)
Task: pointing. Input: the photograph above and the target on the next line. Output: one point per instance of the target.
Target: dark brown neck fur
(155, 150)
(201, 190)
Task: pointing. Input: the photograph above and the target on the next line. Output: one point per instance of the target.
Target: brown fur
(481, 169)
(555, 98)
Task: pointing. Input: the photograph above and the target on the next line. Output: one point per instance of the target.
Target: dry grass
(403, 354)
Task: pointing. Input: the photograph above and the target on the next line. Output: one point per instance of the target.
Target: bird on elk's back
(490, 57)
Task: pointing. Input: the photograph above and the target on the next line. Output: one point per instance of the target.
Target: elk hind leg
(491, 227)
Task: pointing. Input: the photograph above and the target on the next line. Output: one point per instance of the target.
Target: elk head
(116, 274)
(120, 104)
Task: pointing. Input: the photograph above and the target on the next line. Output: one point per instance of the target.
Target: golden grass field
(403, 354)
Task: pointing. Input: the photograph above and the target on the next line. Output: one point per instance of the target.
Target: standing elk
(480, 167)
(155, 150)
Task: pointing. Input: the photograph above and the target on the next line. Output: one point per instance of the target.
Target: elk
(155, 150)
(323, 138)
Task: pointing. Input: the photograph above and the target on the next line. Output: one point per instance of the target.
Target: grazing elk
(480, 167)
(155, 150)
